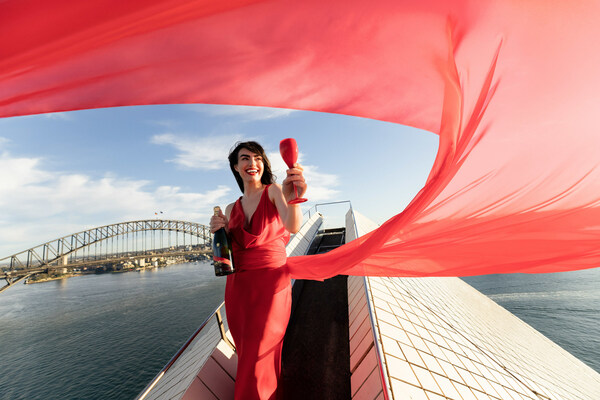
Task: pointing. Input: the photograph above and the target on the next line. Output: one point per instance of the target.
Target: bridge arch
(46, 254)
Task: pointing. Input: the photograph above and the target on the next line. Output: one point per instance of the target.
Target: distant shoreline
(53, 278)
(30, 281)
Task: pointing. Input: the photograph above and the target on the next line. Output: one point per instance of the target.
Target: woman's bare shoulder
(275, 191)
(228, 209)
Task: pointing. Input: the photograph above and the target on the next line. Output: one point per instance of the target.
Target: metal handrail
(216, 314)
(325, 204)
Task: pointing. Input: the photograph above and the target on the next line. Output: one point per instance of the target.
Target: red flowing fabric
(258, 298)
(510, 86)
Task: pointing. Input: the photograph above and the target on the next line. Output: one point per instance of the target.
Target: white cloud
(39, 205)
(321, 186)
(18, 172)
(209, 153)
(63, 116)
(245, 113)
(164, 123)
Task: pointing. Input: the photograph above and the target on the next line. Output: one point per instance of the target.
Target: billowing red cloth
(510, 86)
(258, 298)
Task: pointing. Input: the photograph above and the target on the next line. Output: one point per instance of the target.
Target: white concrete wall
(300, 242)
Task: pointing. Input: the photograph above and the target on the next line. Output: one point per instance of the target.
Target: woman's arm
(291, 214)
(228, 211)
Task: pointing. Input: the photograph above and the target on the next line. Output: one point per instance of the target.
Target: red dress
(258, 298)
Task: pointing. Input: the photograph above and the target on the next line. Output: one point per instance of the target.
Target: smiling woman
(258, 295)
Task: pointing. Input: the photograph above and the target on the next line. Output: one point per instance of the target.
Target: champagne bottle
(222, 257)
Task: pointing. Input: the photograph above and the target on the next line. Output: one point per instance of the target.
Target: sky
(62, 173)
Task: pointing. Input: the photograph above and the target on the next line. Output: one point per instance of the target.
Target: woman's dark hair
(267, 176)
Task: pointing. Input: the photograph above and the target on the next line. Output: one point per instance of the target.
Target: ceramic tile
(432, 364)
(412, 355)
(451, 372)
(391, 347)
(401, 370)
(464, 392)
(418, 343)
(447, 387)
(426, 379)
(467, 341)
(405, 391)
(434, 396)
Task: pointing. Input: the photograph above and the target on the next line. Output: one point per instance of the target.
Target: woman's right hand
(218, 221)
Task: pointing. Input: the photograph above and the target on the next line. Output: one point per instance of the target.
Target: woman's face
(250, 166)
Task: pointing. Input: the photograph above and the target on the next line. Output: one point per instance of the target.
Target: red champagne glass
(289, 152)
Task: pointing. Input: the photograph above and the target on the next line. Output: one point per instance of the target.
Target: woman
(258, 294)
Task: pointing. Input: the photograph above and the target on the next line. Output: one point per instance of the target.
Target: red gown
(258, 298)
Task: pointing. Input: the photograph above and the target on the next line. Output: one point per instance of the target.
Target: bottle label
(223, 260)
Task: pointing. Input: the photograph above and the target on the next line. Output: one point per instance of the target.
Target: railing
(215, 315)
(316, 206)
(315, 209)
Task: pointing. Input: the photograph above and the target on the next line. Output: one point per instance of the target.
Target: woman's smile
(250, 165)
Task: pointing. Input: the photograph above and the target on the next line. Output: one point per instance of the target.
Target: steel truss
(47, 253)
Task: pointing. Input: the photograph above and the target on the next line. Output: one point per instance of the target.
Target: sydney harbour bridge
(115, 243)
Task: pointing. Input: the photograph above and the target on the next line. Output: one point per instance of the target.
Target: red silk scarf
(510, 86)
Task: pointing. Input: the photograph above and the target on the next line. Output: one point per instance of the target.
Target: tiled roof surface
(442, 339)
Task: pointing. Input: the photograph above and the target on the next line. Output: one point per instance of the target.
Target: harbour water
(100, 336)
(564, 307)
(106, 336)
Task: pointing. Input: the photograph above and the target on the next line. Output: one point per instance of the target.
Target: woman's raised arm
(291, 214)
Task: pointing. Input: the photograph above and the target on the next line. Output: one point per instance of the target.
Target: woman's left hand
(294, 177)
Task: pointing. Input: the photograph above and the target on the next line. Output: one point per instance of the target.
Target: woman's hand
(294, 177)
(218, 221)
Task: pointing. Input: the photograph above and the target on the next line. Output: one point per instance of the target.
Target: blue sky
(65, 172)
